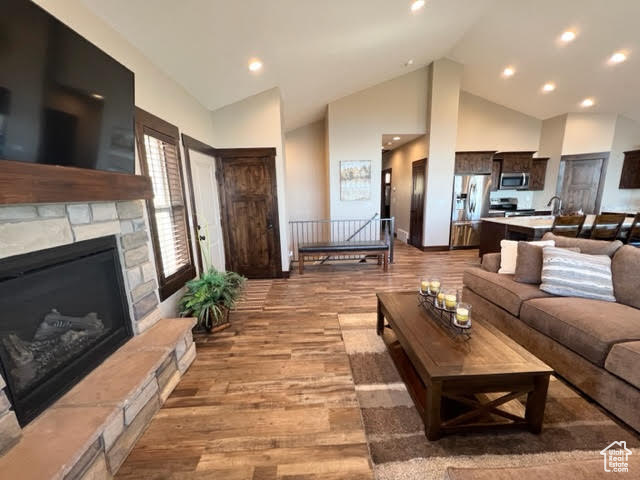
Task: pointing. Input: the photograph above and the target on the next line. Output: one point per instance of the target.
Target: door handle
(269, 224)
(202, 237)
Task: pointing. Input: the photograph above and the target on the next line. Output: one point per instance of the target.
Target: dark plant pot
(224, 323)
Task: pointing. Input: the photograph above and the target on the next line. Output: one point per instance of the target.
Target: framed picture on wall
(355, 180)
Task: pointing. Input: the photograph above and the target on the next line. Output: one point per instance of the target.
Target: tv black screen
(63, 101)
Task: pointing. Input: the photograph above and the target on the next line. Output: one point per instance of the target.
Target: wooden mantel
(22, 182)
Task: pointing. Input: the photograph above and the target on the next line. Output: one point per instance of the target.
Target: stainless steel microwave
(514, 181)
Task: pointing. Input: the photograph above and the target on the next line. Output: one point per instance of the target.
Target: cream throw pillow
(509, 254)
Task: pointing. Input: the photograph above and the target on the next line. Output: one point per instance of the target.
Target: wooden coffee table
(457, 383)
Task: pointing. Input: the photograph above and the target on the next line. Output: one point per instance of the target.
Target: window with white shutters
(160, 160)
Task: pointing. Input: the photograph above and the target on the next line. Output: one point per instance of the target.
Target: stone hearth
(29, 228)
(89, 432)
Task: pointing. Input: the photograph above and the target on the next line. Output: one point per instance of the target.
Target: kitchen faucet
(557, 206)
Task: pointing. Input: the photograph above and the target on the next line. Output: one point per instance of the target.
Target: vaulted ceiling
(319, 51)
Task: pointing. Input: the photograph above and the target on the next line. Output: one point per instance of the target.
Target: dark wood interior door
(580, 183)
(418, 174)
(249, 203)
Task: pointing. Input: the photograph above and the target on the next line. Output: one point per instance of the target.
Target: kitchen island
(493, 230)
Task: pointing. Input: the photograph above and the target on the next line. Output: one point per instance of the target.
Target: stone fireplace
(76, 281)
(64, 310)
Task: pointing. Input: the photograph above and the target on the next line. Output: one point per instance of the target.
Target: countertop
(543, 222)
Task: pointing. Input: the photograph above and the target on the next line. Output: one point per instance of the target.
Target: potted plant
(211, 297)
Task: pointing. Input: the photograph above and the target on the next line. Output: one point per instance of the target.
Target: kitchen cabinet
(516, 162)
(496, 170)
(630, 176)
(538, 173)
(469, 163)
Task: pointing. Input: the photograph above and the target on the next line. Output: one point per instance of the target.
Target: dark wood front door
(385, 194)
(416, 217)
(580, 182)
(249, 203)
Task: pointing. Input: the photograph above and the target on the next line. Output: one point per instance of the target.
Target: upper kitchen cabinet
(468, 163)
(630, 177)
(496, 170)
(516, 162)
(538, 173)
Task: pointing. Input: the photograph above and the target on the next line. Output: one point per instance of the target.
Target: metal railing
(346, 230)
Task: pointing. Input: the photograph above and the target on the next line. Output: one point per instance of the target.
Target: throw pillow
(509, 254)
(571, 274)
(529, 263)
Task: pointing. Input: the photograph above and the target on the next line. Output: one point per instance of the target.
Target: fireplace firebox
(62, 312)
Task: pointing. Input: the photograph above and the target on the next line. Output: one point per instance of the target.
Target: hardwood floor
(272, 397)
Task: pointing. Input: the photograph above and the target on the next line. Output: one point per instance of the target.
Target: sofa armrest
(491, 262)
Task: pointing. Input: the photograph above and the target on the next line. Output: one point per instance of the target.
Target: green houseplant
(210, 297)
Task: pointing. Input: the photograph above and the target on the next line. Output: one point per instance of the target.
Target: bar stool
(633, 237)
(568, 225)
(607, 226)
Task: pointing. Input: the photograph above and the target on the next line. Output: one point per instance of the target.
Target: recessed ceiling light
(396, 138)
(549, 87)
(587, 102)
(618, 57)
(417, 5)
(508, 72)
(255, 65)
(408, 63)
(568, 36)
(389, 143)
(97, 96)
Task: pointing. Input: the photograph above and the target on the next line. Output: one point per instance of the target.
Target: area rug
(574, 427)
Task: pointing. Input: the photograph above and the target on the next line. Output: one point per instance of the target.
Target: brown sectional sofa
(593, 344)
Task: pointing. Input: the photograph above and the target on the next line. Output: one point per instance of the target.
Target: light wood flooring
(272, 397)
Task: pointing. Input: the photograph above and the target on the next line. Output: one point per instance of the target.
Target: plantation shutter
(160, 160)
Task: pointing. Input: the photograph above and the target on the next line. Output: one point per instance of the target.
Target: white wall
(484, 125)
(400, 161)
(588, 133)
(626, 137)
(154, 90)
(307, 183)
(444, 95)
(551, 139)
(355, 127)
(257, 122)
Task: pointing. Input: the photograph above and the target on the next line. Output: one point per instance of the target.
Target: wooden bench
(378, 248)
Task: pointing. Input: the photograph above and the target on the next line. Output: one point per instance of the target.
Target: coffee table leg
(536, 401)
(432, 414)
(380, 324)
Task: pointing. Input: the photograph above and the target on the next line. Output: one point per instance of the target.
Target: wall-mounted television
(63, 101)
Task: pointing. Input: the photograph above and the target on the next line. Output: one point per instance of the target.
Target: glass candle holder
(450, 299)
(434, 286)
(463, 313)
(440, 299)
(424, 286)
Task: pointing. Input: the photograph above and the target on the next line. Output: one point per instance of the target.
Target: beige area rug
(574, 428)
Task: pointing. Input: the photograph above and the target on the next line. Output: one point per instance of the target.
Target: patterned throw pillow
(570, 274)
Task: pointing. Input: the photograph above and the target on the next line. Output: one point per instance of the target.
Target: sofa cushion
(491, 262)
(623, 361)
(586, 245)
(626, 280)
(509, 254)
(588, 327)
(501, 289)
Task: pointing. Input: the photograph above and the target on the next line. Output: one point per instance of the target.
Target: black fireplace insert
(62, 312)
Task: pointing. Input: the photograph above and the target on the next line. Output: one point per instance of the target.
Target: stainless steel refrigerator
(470, 204)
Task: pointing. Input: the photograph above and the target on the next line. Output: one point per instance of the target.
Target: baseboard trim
(435, 248)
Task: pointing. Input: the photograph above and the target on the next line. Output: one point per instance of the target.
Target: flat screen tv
(63, 101)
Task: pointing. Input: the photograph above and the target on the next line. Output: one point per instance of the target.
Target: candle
(424, 286)
(462, 315)
(441, 298)
(450, 301)
(434, 286)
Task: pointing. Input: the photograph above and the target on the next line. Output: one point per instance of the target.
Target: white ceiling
(525, 34)
(404, 138)
(316, 51)
(319, 51)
